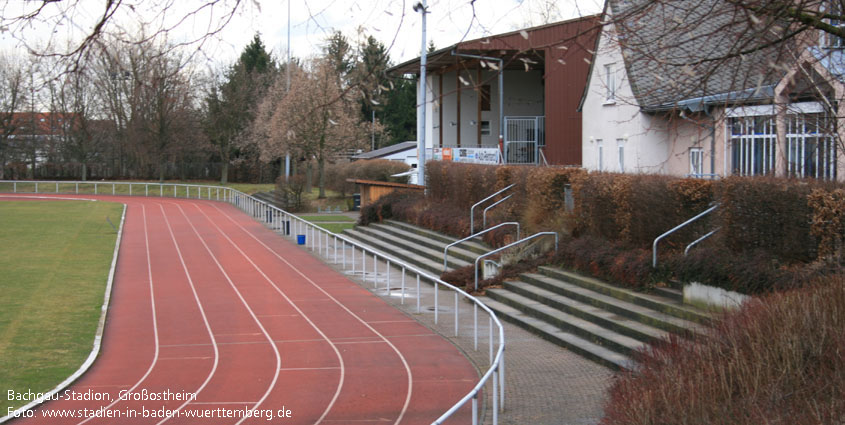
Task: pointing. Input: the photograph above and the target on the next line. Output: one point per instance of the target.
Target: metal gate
(523, 138)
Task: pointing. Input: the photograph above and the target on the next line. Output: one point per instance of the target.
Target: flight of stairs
(600, 321)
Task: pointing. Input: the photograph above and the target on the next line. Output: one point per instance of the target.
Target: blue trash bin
(300, 239)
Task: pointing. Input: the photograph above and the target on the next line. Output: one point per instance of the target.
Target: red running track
(214, 319)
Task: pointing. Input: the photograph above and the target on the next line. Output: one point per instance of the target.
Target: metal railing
(174, 190)
(472, 209)
(675, 229)
(474, 235)
(493, 205)
(523, 138)
(699, 240)
(510, 245)
(327, 244)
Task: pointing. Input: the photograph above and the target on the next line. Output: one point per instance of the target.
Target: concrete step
(621, 307)
(431, 266)
(664, 305)
(585, 311)
(412, 246)
(583, 328)
(457, 251)
(474, 245)
(568, 340)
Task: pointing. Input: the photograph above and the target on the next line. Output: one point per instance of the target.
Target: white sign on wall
(469, 155)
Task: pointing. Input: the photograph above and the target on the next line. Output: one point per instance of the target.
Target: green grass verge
(332, 217)
(55, 258)
(336, 227)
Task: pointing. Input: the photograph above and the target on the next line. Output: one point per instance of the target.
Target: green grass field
(55, 257)
(335, 227)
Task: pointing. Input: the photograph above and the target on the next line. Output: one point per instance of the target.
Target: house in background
(405, 152)
(659, 99)
(543, 72)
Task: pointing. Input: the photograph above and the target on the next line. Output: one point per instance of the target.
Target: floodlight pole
(287, 89)
(423, 9)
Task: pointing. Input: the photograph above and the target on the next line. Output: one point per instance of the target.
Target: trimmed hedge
(775, 233)
(375, 169)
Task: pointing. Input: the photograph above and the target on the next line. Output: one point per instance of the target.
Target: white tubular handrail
(280, 220)
(493, 205)
(193, 191)
(675, 229)
(446, 250)
(510, 245)
(472, 209)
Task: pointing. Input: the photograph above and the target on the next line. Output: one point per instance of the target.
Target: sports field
(54, 262)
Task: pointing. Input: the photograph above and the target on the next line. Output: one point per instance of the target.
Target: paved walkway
(544, 383)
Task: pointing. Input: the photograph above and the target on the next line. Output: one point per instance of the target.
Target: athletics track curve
(208, 303)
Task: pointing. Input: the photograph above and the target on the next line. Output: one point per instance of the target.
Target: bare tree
(75, 107)
(314, 119)
(87, 24)
(11, 96)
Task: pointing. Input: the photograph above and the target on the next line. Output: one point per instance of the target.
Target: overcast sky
(393, 22)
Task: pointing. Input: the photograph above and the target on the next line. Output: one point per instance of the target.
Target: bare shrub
(778, 360)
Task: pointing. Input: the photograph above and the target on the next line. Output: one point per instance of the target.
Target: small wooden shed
(372, 190)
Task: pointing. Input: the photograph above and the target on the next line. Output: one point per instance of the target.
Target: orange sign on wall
(447, 154)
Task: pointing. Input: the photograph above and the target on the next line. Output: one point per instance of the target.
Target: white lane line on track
(202, 312)
(249, 309)
(310, 368)
(153, 309)
(301, 313)
(341, 305)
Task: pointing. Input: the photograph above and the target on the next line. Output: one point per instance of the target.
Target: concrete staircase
(602, 322)
(420, 247)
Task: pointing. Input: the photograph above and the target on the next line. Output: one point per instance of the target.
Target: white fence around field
(349, 255)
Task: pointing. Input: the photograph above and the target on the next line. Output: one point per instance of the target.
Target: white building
(668, 94)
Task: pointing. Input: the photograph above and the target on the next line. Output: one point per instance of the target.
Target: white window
(610, 83)
(696, 162)
(600, 152)
(753, 143)
(485, 128)
(834, 8)
(810, 151)
(620, 148)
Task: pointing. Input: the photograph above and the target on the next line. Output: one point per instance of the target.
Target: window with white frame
(620, 155)
(610, 83)
(696, 162)
(752, 145)
(834, 8)
(810, 150)
(600, 155)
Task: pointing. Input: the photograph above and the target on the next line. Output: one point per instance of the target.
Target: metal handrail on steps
(279, 220)
(697, 241)
(474, 235)
(674, 229)
(493, 205)
(510, 245)
(472, 209)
